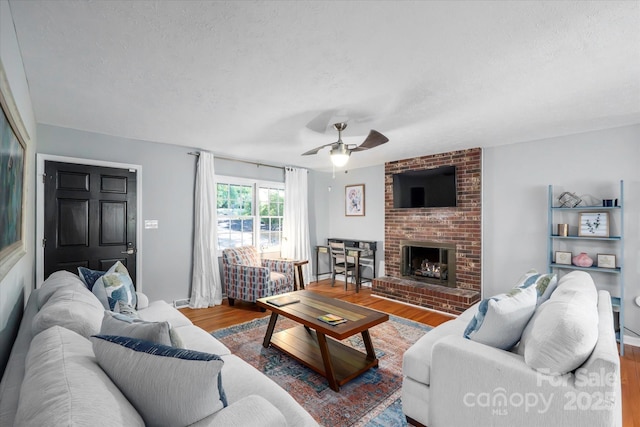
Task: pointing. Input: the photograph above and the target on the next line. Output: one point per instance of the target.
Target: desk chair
(340, 263)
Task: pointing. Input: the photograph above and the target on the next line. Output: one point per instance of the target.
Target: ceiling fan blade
(315, 150)
(374, 139)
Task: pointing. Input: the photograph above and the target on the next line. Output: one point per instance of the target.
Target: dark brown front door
(90, 217)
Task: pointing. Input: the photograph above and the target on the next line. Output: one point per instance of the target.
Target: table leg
(317, 265)
(270, 328)
(300, 276)
(366, 338)
(357, 260)
(326, 359)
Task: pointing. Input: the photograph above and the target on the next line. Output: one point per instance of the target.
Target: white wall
(515, 182)
(17, 284)
(168, 185)
(329, 210)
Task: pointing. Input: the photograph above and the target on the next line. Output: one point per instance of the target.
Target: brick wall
(460, 225)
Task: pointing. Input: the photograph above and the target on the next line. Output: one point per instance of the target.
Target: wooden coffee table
(316, 344)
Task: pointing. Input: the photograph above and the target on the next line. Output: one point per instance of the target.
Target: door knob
(130, 249)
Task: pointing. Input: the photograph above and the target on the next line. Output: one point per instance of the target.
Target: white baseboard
(634, 341)
(181, 303)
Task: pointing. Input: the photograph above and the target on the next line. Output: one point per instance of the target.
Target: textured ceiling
(265, 80)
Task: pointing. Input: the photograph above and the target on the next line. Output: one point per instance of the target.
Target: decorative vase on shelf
(582, 260)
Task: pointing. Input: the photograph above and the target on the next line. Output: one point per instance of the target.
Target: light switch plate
(150, 223)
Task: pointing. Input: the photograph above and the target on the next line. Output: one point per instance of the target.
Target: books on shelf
(282, 301)
(332, 319)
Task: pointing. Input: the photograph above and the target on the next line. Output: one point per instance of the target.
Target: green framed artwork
(13, 148)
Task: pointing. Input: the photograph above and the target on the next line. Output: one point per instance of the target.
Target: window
(271, 206)
(241, 204)
(235, 215)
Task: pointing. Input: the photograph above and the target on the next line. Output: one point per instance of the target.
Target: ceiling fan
(340, 151)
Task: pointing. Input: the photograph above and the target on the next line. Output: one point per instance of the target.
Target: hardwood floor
(214, 318)
(630, 379)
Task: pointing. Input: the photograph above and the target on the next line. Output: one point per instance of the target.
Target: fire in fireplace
(429, 262)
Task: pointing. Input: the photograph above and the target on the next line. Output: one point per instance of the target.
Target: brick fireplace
(456, 229)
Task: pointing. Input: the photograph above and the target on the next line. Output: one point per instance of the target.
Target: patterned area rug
(372, 399)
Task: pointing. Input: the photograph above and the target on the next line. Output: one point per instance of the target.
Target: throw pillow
(89, 276)
(564, 330)
(146, 373)
(501, 319)
(545, 284)
(115, 285)
(119, 324)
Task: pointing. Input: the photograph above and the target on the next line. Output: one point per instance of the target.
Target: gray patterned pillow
(146, 372)
(119, 324)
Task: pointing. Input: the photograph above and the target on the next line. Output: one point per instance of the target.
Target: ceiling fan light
(339, 159)
(340, 155)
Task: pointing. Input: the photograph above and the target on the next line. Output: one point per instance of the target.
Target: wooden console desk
(364, 251)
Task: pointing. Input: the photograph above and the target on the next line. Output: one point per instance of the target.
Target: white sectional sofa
(565, 371)
(54, 376)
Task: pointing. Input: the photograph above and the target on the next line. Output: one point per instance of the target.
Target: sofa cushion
(119, 324)
(196, 338)
(245, 380)
(545, 284)
(65, 386)
(564, 330)
(77, 310)
(501, 319)
(246, 412)
(158, 311)
(168, 386)
(416, 361)
(115, 285)
(57, 281)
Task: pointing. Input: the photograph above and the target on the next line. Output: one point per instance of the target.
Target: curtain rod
(194, 153)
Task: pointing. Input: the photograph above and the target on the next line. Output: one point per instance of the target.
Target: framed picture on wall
(13, 148)
(354, 200)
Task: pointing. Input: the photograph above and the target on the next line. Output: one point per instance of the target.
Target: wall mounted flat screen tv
(429, 188)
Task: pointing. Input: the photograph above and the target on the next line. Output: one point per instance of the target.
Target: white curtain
(206, 287)
(295, 229)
